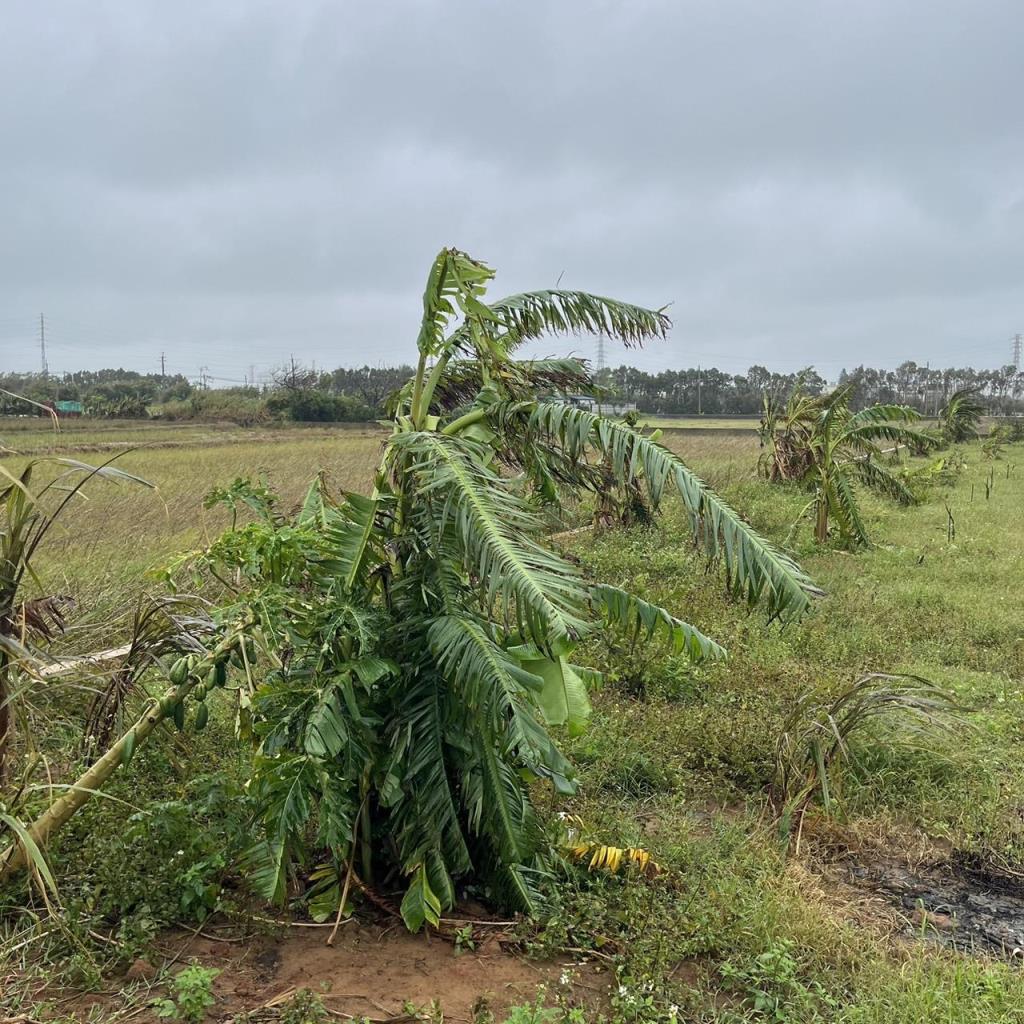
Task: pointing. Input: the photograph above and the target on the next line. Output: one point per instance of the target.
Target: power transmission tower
(600, 353)
(42, 345)
(1017, 340)
(163, 369)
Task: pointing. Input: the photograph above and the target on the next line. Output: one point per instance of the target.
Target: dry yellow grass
(108, 544)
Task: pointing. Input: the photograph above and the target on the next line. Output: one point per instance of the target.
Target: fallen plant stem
(344, 897)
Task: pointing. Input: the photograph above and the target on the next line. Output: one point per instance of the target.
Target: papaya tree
(413, 648)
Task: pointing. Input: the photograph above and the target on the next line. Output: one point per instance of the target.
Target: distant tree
(295, 377)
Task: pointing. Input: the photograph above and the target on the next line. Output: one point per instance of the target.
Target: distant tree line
(300, 393)
(294, 392)
(714, 392)
(110, 393)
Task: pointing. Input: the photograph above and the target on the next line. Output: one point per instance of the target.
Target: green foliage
(533, 1013)
(770, 983)
(815, 738)
(1011, 429)
(108, 393)
(244, 406)
(27, 514)
(191, 995)
(134, 873)
(820, 443)
(305, 1007)
(316, 406)
(683, 772)
(961, 416)
(420, 640)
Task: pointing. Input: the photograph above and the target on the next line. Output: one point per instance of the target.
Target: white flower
(623, 991)
(673, 1011)
(564, 978)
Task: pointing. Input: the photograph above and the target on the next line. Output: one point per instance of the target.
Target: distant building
(69, 409)
(607, 407)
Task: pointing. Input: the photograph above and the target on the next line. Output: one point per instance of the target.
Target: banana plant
(961, 415)
(821, 444)
(430, 662)
(418, 644)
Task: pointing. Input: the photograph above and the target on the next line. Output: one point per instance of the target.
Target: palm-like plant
(815, 740)
(961, 415)
(820, 443)
(26, 517)
(419, 639)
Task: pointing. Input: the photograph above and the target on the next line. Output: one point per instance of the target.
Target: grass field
(119, 533)
(742, 926)
(32, 436)
(739, 423)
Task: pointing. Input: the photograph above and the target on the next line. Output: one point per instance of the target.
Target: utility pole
(700, 381)
(203, 380)
(600, 366)
(42, 345)
(163, 369)
(1018, 341)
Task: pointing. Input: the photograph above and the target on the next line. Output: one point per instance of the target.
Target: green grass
(672, 745)
(678, 758)
(915, 603)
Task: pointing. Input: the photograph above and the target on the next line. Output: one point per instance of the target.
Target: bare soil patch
(370, 972)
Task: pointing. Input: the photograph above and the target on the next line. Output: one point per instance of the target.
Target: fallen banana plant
(815, 743)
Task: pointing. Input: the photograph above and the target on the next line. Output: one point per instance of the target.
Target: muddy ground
(382, 974)
(377, 971)
(957, 902)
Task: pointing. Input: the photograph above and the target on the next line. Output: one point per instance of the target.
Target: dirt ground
(922, 891)
(370, 972)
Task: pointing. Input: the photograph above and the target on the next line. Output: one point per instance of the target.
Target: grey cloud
(806, 182)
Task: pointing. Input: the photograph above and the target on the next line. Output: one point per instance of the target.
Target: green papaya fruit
(202, 716)
(179, 672)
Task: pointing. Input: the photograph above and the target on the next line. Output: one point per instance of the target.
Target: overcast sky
(233, 182)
